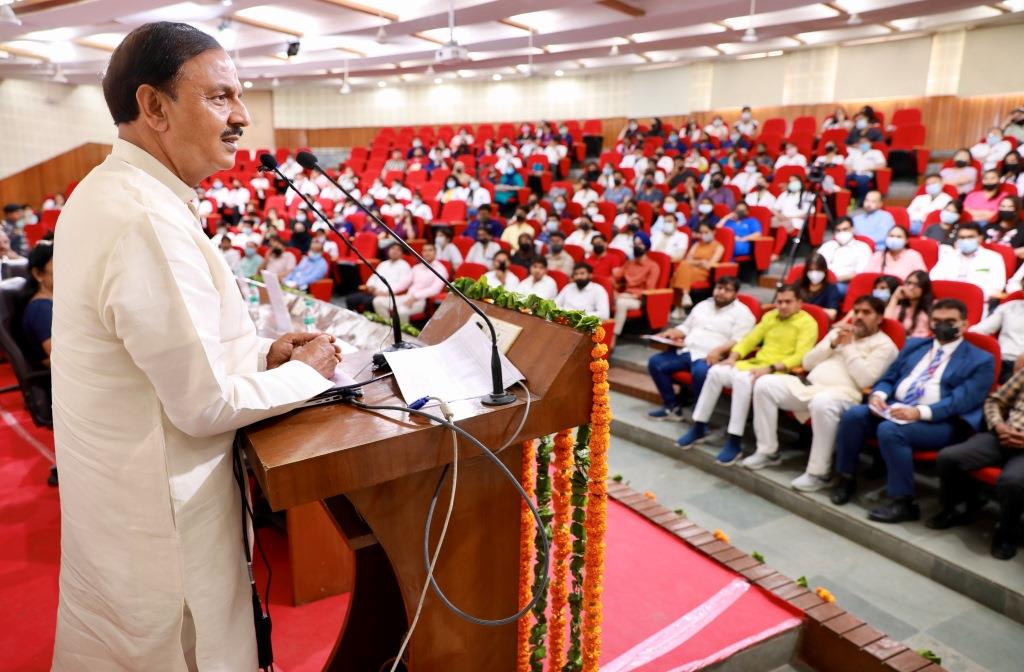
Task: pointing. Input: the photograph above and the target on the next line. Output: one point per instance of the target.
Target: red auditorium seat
(820, 316)
(657, 303)
(910, 138)
(797, 271)
(753, 305)
(1008, 255)
(773, 126)
(470, 270)
(860, 285)
(899, 215)
(970, 294)
(928, 248)
(804, 125)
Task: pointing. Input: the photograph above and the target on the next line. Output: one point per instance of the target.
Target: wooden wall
(33, 184)
(951, 121)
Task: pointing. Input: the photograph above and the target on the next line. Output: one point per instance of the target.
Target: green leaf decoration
(802, 581)
(757, 556)
(930, 655)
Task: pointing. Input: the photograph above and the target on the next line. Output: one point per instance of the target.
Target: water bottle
(308, 318)
(254, 304)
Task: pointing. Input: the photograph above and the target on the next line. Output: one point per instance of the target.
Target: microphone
(268, 162)
(498, 395)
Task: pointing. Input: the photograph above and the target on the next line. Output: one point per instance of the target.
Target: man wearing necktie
(929, 398)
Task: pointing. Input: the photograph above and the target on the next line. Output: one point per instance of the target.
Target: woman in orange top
(699, 260)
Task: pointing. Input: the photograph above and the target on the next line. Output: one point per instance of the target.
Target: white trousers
(773, 394)
(382, 304)
(721, 376)
(624, 303)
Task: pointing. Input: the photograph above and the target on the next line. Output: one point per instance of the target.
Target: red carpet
(667, 607)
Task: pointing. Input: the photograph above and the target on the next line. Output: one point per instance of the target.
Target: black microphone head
(268, 161)
(306, 159)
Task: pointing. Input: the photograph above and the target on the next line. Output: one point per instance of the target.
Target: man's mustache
(232, 131)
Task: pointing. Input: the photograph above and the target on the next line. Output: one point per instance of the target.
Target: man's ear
(152, 107)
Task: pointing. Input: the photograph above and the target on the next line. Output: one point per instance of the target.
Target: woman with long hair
(911, 303)
(815, 287)
(896, 259)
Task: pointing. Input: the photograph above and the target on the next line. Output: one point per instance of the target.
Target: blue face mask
(864, 147)
(314, 255)
(948, 216)
(967, 245)
(895, 243)
(249, 252)
(883, 294)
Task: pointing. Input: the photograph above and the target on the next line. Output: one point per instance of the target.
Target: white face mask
(750, 169)
(670, 207)
(793, 187)
(843, 237)
(816, 277)
(668, 227)
(933, 189)
(705, 208)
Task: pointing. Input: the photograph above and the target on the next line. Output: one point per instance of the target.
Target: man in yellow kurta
(155, 365)
(783, 336)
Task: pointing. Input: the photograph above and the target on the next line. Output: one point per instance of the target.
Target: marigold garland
(597, 502)
(527, 529)
(561, 548)
(538, 632)
(581, 469)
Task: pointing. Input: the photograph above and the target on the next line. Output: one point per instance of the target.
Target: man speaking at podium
(155, 365)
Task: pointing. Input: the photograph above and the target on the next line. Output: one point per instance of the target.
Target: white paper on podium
(278, 309)
(457, 368)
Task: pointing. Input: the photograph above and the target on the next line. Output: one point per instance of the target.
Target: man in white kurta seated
(156, 364)
(853, 356)
(500, 275)
(423, 286)
(538, 282)
(584, 294)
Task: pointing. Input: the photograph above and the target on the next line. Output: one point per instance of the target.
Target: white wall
(883, 69)
(41, 120)
(993, 61)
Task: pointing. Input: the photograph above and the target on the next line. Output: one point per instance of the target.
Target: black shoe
(943, 520)
(1004, 546)
(896, 511)
(52, 478)
(843, 491)
(877, 468)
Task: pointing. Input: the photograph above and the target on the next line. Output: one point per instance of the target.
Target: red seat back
(820, 316)
(860, 285)
(895, 331)
(1008, 255)
(928, 248)
(991, 345)
(470, 270)
(751, 303)
(969, 293)
(664, 264)
(906, 116)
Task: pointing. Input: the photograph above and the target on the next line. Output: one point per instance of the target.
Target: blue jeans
(860, 185)
(897, 443)
(663, 365)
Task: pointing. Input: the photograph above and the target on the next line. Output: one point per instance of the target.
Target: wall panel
(53, 175)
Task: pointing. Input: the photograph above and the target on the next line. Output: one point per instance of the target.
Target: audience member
(1007, 229)
(558, 259)
(718, 193)
(395, 164)
(837, 119)
(650, 193)
(950, 219)
(782, 338)
(484, 249)
(507, 189)
(696, 266)
(633, 278)
(279, 261)
(618, 192)
(600, 260)
(231, 256)
(983, 204)
(525, 252)
(817, 289)
(37, 316)
(251, 261)
(962, 175)
(831, 157)
(760, 194)
(845, 255)
(991, 150)
(395, 270)
(14, 227)
(851, 357)
(861, 163)
(911, 305)
(972, 263)
(917, 404)
(885, 286)
(872, 221)
(897, 259)
(745, 227)
(515, 228)
(500, 274)
(791, 207)
(1013, 126)
(790, 156)
(313, 267)
(6, 252)
(669, 239)
(863, 128)
(584, 294)
(585, 195)
(538, 282)
(423, 285)
(746, 124)
(746, 179)
(484, 220)
(933, 199)
(1002, 446)
(704, 338)
(583, 234)
(1006, 321)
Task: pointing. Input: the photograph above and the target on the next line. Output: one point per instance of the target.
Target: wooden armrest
(760, 237)
(656, 292)
(798, 371)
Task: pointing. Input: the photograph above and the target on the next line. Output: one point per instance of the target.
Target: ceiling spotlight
(429, 72)
(749, 35)
(382, 35)
(59, 77)
(614, 51)
(7, 15)
(275, 82)
(437, 80)
(345, 89)
(247, 84)
(496, 77)
(559, 73)
(854, 19)
(226, 3)
(381, 84)
(226, 35)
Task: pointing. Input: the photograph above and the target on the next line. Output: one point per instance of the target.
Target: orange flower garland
(527, 528)
(597, 501)
(562, 547)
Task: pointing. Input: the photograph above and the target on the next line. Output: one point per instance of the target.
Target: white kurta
(155, 365)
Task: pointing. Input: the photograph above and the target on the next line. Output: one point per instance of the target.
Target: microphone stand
(396, 322)
(498, 396)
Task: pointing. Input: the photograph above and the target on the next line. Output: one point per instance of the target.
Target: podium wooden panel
(376, 473)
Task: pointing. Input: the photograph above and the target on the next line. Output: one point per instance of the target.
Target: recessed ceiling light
(559, 72)
(614, 51)
(496, 77)
(854, 19)
(226, 3)
(275, 81)
(437, 80)
(749, 35)
(345, 89)
(247, 84)
(381, 84)
(382, 35)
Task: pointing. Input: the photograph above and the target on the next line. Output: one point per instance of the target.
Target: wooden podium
(375, 474)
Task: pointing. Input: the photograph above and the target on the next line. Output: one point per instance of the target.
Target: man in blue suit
(916, 405)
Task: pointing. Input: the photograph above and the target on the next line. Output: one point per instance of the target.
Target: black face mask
(717, 182)
(502, 265)
(649, 183)
(960, 163)
(990, 187)
(599, 249)
(632, 228)
(276, 252)
(1011, 168)
(639, 251)
(525, 246)
(556, 248)
(945, 332)
(1007, 215)
(581, 284)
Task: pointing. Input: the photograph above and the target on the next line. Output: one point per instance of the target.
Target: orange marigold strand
(526, 532)
(559, 586)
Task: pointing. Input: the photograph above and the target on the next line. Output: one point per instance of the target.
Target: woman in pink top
(911, 303)
(896, 259)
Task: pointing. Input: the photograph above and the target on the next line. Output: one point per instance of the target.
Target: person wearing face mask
(760, 194)
(932, 198)
(623, 239)
(475, 195)
(251, 261)
(696, 161)
(790, 156)
(506, 190)
(525, 251)
(220, 193)
(619, 191)
(630, 132)
(378, 191)
(501, 274)
(1012, 171)
(972, 263)
(279, 261)
(916, 405)
(831, 157)
(650, 192)
(1007, 229)
(745, 180)
(675, 142)
(583, 234)
(633, 278)
(558, 259)
(392, 208)
(516, 228)
(862, 160)
(599, 258)
(897, 259)
(669, 239)
(538, 282)
(422, 286)
(983, 204)
(863, 128)
(704, 212)
(746, 124)
(873, 221)
(313, 267)
(944, 231)
(718, 193)
(696, 266)
(852, 356)
(885, 286)
(445, 249)
(584, 294)
(992, 149)
(817, 289)
(746, 228)
(663, 163)
(961, 174)
(789, 213)
(420, 209)
(845, 255)
(717, 128)
(585, 194)
(483, 250)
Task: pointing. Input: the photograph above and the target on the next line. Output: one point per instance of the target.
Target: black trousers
(983, 450)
